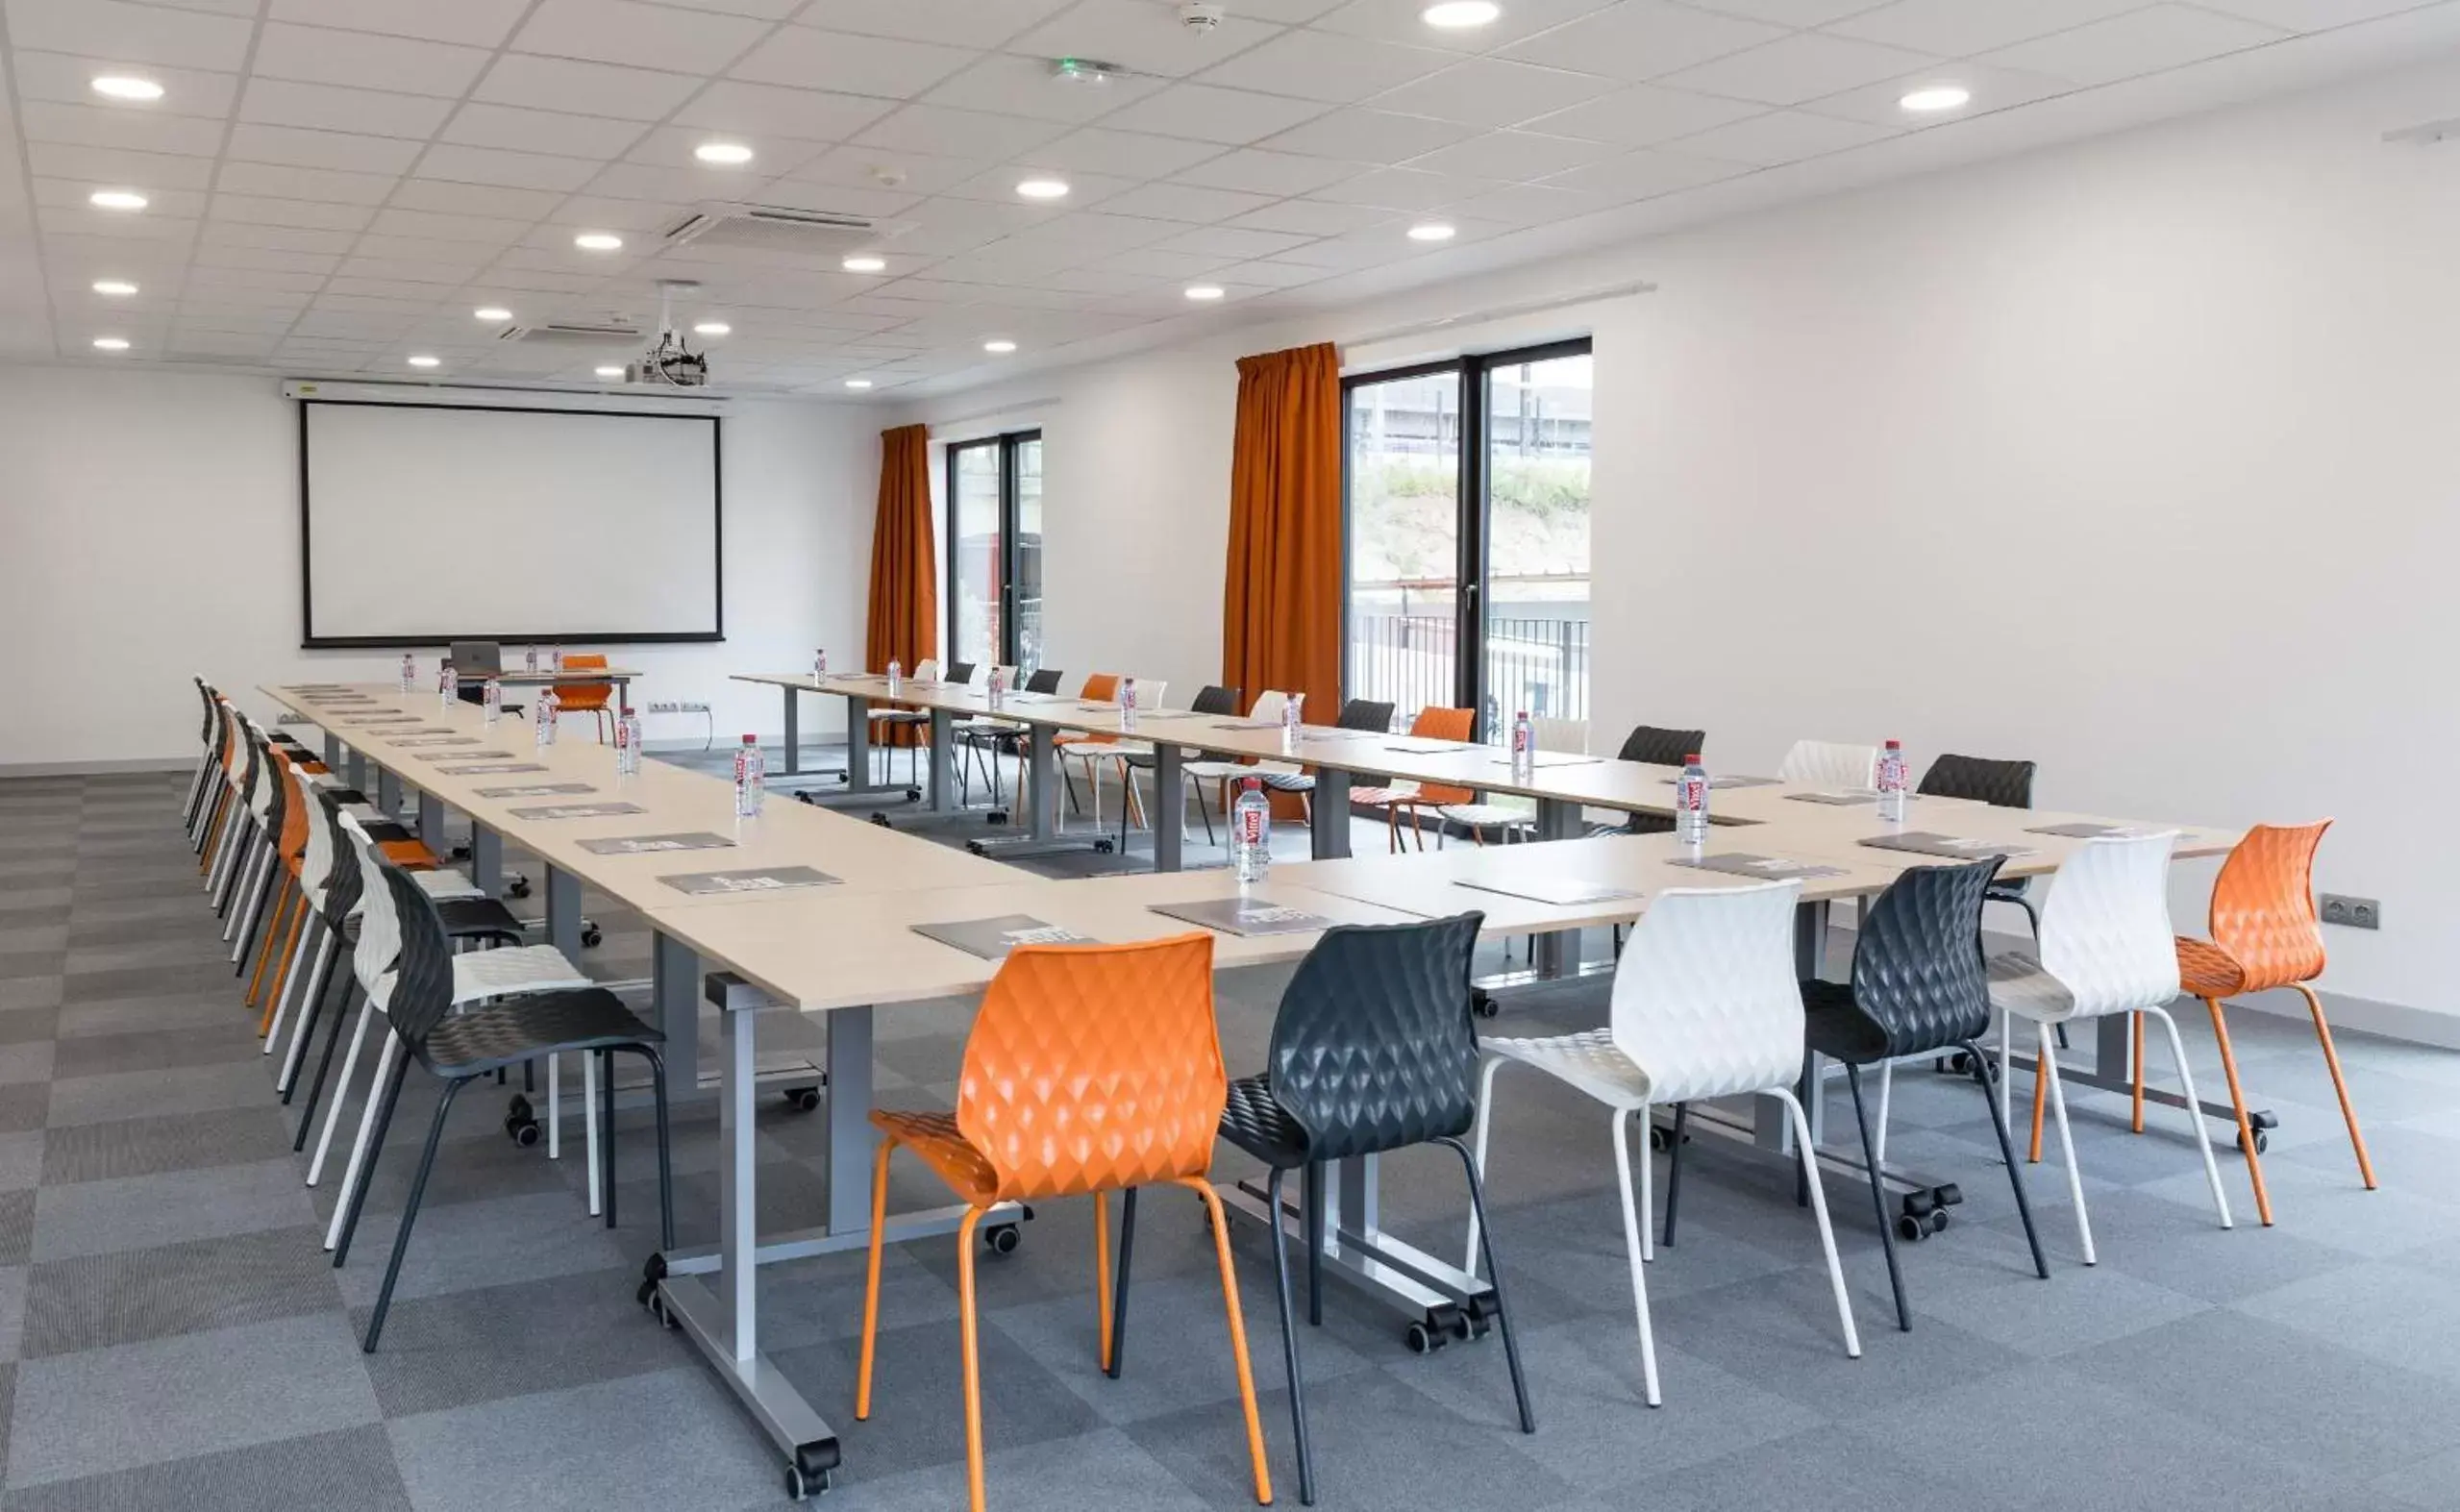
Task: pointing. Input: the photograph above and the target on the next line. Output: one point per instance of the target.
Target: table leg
(1042, 776)
(356, 774)
(1170, 806)
(793, 730)
(564, 912)
(1329, 808)
(1558, 951)
(942, 761)
(487, 860)
(675, 977)
(851, 1136)
(857, 743)
(388, 794)
(332, 752)
(431, 822)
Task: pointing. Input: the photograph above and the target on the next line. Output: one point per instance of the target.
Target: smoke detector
(1200, 15)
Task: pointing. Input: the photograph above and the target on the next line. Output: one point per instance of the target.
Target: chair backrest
(330, 861)
(205, 734)
(959, 673)
(1268, 707)
(316, 845)
(1214, 698)
(1044, 679)
(380, 932)
(422, 987)
(1095, 1066)
(1659, 747)
(260, 783)
(1436, 723)
(290, 814)
(582, 697)
(1373, 1045)
(2105, 931)
(926, 670)
(1365, 713)
(1825, 763)
(1704, 997)
(1568, 735)
(478, 658)
(1918, 967)
(2002, 784)
(1099, 688)
(2263, 905)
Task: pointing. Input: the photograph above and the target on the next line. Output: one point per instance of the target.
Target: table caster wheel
(2263, 1142)
(1104, 847)
(1660, 1139)
(1478, 1314)
(801, 1487)
(1424, 1339)
(1939, 1221)
(913, 795)
(1484, 1004)
(520, 1110)
(977, 848)
(1462, 1326)
(802, 1100)
(882, 820)
(518, 887)
(807, 798)
(997, 816)
(1001, 1239)
(1912, 1230)
(591, 937)
(522, 1132)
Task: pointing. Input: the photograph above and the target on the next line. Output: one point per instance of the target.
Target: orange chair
(586, 697)
(1432, 724)
(1100, 687)
(1090, 1069)
(2264, 935)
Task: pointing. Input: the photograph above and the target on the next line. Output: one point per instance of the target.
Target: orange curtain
(905, 569)
(1282, 601)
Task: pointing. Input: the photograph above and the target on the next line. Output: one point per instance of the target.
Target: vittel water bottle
(627, 742)
(1252, 832)
(529, 659)
(542, 716)
(491, 700)
(1292, 717)
(448, 684)
(1524, 746)
(1892, 784)
(1127, 702)
(751, 778)
(820, 665)
(409, 672)
(896, 675)
(554, 658)
(999, 686)
(1691, 803)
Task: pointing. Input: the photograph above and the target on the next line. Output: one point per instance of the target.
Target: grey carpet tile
(21, 1157)
(206, 974)
(350, 1469)
(158, 1050)
(490, 1342)
(24, 1106)
(168, 1207)
(20, 964)
(131, 1296)
(16, 1226)
(22, 1026)
(152, 1094)
(173, 1142)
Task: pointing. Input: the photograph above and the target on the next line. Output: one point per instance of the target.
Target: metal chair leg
(1879, 1199)
(665, 1154)
(606, 1123)
(2008, 1152)
(316, 1088)
(375, 1152)
(1673, 1172)
(410, 1214)
(1311, 1192)
(1119, 1298)
(1289, 1337)
(1494, 1278)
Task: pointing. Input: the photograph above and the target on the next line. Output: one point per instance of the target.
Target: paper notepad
(1962, 848)
(2094, 831)
(992, 939)
(1243, 916)
(1560, 894)
(490, 768)
(759, 880)
(1767, 868)
(537, 790)
(650, 844)
(464, 755)
(577, 811)
(1839, 796)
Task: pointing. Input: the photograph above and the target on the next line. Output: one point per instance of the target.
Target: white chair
(2107, 947)
(1094, 750)
(885, 720)
(1266, 710)
(1706, 1006)
(1824, 763)
(1515, 820)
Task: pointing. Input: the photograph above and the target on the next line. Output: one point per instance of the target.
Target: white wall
(149, 531)
(2134, 457)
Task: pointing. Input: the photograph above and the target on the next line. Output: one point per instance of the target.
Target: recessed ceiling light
(492, 312)
(110, 343)
(1937, 97)
(115, 199)
(1202, 291)
(611, 372)
(598, 241)
(723, 154)
(114, 287)
(1002, 347)
(712, 328)
(1044, 188)
(860, 264)
(126, 86)
(1455, 16)
(1433, 230)
(424, 360)
(857, 382)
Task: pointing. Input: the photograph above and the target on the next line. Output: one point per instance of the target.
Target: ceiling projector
(671, 363)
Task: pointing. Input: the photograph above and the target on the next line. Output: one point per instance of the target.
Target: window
(995, 550)
(1468, 524)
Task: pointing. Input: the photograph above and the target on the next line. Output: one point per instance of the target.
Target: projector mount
(670, 363)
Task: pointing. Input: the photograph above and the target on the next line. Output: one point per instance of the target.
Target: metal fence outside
(1541, 665)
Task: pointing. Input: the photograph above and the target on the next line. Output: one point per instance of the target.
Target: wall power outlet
(2355, 913)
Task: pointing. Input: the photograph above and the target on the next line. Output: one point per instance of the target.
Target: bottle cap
(1895, 745)
(1692, 760)
(1254, 783)
(750, 740)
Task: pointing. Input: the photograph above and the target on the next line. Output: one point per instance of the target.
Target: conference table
(804, 909)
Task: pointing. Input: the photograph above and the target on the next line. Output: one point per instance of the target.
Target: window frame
(1003, 446)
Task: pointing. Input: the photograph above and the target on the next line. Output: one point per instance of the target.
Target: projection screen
(429, 523)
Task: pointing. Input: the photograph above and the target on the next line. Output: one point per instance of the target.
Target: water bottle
(554, 658)
(751, 778)
(1691, 803)
(820, 665)
(409, 672)
(491, 700)
(1892, 784)
(998, 688)
(530, 661)
(627, 742)
(448, 684)
(543, 716)
(896, 675)
(1291, 718)
(1128, 704)
(1523, 747)
(1252, 832)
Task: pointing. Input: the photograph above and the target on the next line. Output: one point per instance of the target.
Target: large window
(995, 550)
(1469, 536)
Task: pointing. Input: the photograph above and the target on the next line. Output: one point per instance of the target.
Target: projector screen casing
(499, 559)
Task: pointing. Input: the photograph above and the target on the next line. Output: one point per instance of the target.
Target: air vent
(774, 228)
(573, 333)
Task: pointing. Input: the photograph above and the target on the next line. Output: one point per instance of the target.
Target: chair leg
(1674, 1171)
(665, 1149)
(871, 1280)
(1237, 1333)
(1879, 1199)
(1119, 1296)
(1880, 1133)
(1648, 1193)
(316, 1088)
(1311, 1188)
(2194, 1109)
(1478, 1131)
(1289, 1337)
(354, 1191)
(2135, 1059)
(1819, 1210)
(2041, 1091)
(969, 1341)
(2340, 1086)
(2008, 1152)
(314, 984)
(2067, 1143)
(1101, 1310)
(341, 1091)
(1494, 1278)
(589, 1133)
(1632, 1250)
(410, 1214)
(296, 968)
(2238, 1105)
(606, 1124)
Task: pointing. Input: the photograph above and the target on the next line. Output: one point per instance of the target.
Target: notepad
(1243, 916)
(464, 755)
(577, 811)
(1767, 868)
(652, 844)
(1962, 848)
(759, 880)
(1839, 796)
(1560, 894)
(537, 790)
(992, 939)
(2095, 831)
(490, 768)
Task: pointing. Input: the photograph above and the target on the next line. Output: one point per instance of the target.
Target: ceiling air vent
(774, 228)
(575, 332)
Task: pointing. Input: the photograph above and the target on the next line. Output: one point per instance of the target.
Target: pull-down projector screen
(426, 523)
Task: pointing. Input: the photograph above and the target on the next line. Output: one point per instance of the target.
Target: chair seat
(2018, 985)
(1285, 782)
(900, 717)
(2207, 971)
(1211, 771)
(1588, 1060)
(1484, 816)
(945, 1149)
(1834, 1025)
(521, 969)
(444, 885)
(507, 1034)
(476, 918)
(1255, 1121)
(1384, 797)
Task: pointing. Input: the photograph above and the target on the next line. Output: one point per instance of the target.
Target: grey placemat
(1722, 781)
(1550, 759)
(1560, 894)
(755, 879)
(578, 810)
(2095, 831)
(490, 768)
(1838, 797)
(537, 790)
(992, 939)
(1961, 848)
(1243, 916)
(1766, 868)
(464, 755)
(439, 737)
(653, 844)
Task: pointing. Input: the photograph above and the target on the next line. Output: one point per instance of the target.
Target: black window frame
(1004, 445)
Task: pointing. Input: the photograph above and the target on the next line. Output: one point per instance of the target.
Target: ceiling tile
(1261, 172)
(2309, 16)
(1146, 264)
(556, 84)
(597, 136)
(1127, 155)
(2140, 42)
(360, 60)
(973, 23)
(1800, 67)
(813, 60)
(306, 149)
(753, 111)
(265, 258)
(1530, 205)
(284, 238)
(1643, 115)
(481, 23)
(638, 36)
(439, 227)
(1512, 157)
(1992, 89)
(319, 107)
(67, 79)
(1287, 12)
(1231, 116)
(879, 167)
(1785, 13)
(1336, 69)
(138, 130)
(1230, 241)
(1184, 202)
(1404, 190)
(137, 33)
(1645, 174)
(1399, 21)
(477, 199)
(1142, 35)
(1311, 218)
(1372, 135)
(324, 214)
(524, 170)
(1783, 137)
(93, 167)
(284, 181)
(1961, 28)
(1492, 92)
(1000, 183)
(945, 226)
(1637, 39)
(839, 199)
(640, 181)
(943, 132)
(1025, 87)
